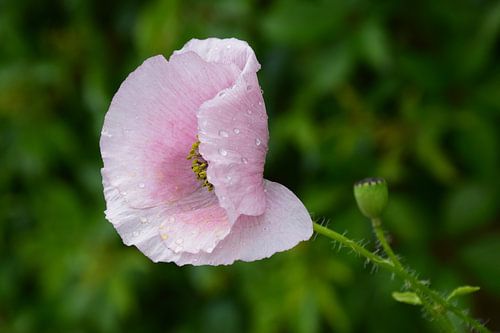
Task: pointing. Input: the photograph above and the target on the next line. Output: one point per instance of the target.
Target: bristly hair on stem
(434, 304)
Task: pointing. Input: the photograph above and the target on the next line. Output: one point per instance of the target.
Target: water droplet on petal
(106, 133)
(236, 131)
(228, 46)
(179, 249)
(260, 103)
(257, 142)
(179, 241)
(223, 133)
(244, 160)
(144, 219)
(135, 233)
(228, 178)
(195, 260)
(142, 185)
(222, 152)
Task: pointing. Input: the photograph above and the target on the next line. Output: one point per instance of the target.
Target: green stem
(394, 266)
(441, 317)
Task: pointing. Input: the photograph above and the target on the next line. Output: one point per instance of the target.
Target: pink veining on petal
(151, 125)
(208, 89)
(195, 223)
(285, 223)
(233, 129)
(197, 230)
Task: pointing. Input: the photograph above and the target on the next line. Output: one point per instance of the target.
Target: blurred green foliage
(405, 91)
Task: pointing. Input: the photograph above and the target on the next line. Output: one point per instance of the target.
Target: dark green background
(409, 91)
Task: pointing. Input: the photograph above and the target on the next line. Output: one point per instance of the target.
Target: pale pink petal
(233, 129)
(136, 226)
(151, 126)
(195, 230)
(225, 51)
(285, 223)
(193, 224)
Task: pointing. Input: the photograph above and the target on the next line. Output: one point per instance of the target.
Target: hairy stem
(434, 303)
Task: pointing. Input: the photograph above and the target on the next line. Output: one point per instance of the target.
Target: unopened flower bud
(371, 196)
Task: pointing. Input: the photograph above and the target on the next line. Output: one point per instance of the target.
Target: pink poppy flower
(184, 144)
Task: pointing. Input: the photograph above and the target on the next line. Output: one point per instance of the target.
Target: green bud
(371, 196)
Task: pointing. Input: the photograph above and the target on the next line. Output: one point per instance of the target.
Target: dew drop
(260, 103)
(179, 241)
(106, 134)
(142, 185)
(144, 219)
(223, 134)
(228, 178)
(195, 260)
(228, 46)
(179, 249)
(244, 160)
(257, 142)
(236, 131)
(135, 233)
(124, 193)
(222, 152)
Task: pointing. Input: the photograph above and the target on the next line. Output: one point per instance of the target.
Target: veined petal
(233, 130)
(285, 223)
(151, 126)
(195, 223)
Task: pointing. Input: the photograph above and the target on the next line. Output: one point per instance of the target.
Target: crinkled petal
(285, 223)
(193, 224)
(233, 130)
(151, 126)
(195, 230)
(225, 51)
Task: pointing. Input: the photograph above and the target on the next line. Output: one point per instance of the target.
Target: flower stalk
(437, 305)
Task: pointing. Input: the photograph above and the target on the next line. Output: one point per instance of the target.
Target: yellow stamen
(199, 165)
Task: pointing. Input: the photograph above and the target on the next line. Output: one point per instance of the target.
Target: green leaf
(463, 290)
(407, 297)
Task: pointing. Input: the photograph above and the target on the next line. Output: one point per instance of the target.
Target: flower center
(199, 165)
